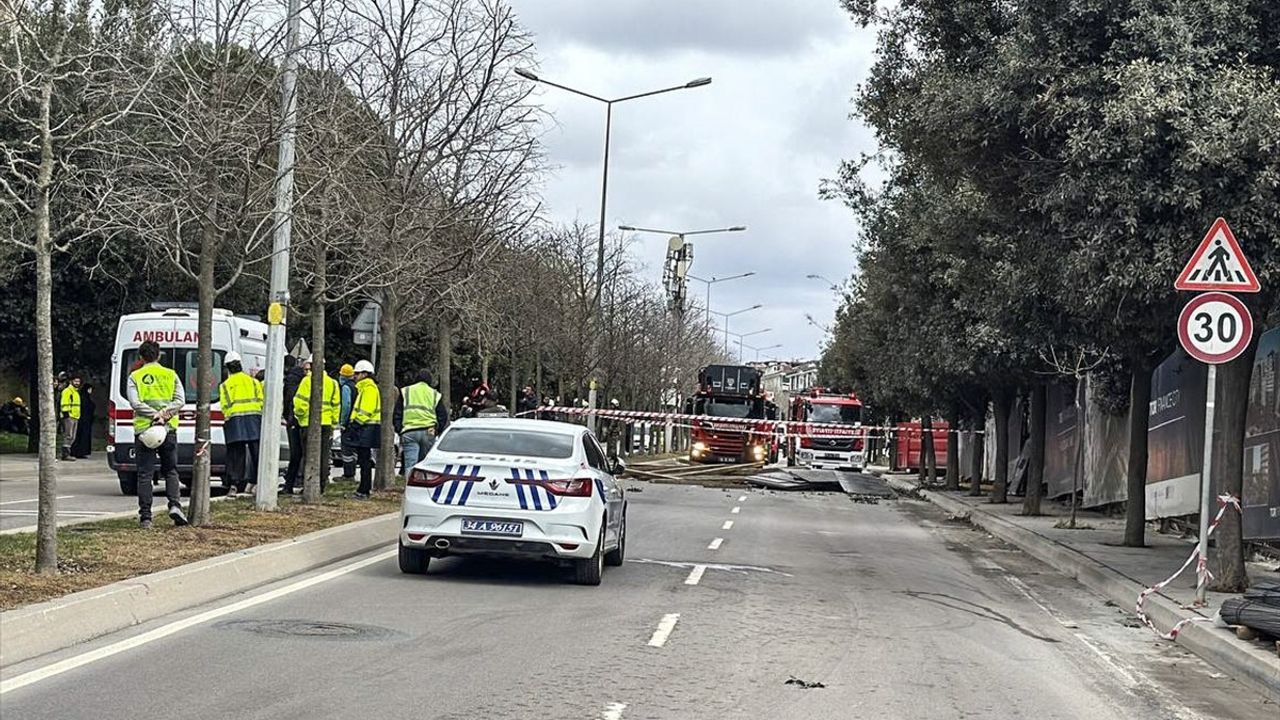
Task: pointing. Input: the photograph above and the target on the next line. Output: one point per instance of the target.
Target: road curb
(1250, 665)
(35, 630)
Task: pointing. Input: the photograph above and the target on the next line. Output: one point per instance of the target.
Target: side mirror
(617, 467)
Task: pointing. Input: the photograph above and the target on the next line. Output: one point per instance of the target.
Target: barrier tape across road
(644, 415)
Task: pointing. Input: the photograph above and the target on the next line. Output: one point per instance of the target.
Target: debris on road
(803, 684)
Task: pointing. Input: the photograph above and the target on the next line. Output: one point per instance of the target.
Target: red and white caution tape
(790, 427)
(1202, 571)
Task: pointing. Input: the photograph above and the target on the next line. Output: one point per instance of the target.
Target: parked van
(175, 327)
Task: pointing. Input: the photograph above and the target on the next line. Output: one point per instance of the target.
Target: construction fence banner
(1106, 453)
(1260, 499)
(1175, 436)
(1061, 433)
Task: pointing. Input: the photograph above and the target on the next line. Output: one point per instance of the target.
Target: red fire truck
(731, 392)
(820, 446)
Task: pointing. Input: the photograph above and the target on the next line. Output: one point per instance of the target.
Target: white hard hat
(153, 437)
(364, 366)
(232, 356)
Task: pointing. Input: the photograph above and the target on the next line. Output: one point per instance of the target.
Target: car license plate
(480, 526)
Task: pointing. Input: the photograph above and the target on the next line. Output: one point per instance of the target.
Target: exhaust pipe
(442, 544)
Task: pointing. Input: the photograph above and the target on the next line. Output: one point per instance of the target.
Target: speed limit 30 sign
(1215, 328)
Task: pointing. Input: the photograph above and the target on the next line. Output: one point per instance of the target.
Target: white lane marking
(715, 544)
(1130, 681)
(695, 575)
(164, 631)
(665, 626)
(743, 569)
(74, 513)
(737, 509)
(15, 502)
(728, 525)
(613, 711)
(742, 498)
(1028, 594)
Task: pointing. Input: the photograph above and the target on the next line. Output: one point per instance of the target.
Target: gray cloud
(749, 149)
(644, 27)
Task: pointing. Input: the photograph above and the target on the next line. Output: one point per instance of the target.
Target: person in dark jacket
(83, 445)
(293, 374)
(528, 403)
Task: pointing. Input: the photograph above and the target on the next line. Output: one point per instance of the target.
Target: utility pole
(273, 405)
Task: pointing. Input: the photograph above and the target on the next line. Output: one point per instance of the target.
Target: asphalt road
(87, 489)
(897, 612)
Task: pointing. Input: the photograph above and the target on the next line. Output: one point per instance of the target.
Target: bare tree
(69, 73)
(201, 170)
(456, 152)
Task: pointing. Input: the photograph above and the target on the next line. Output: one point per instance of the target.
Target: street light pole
(604, 191)
(726, 317)
(273, 403)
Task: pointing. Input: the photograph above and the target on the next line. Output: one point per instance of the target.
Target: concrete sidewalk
(1095, 557)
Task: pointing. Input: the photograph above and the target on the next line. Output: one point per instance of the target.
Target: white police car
(514, 487)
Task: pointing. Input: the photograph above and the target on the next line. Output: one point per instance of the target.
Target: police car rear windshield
(492, 441)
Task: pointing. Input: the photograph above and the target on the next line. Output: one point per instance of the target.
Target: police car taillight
(574, 487)
(425, 478)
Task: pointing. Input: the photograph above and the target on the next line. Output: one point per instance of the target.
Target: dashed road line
(613, 711)
(665, 626)
(715, 544)
(728, 525)
(742, 498)
(737, 509)
(695, 575)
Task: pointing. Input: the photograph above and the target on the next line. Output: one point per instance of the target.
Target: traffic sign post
(1214, 328)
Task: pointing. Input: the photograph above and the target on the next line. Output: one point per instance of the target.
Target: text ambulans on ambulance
(176, 330)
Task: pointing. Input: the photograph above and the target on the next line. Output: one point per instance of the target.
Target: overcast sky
(749, 149)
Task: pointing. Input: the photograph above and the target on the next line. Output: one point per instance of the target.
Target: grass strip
(94, 554)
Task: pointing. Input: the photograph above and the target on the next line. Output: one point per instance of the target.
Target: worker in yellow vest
(365, 428)
(156, 395)
(421, 415)
(240, 397)
(69, 407)
(329, 409)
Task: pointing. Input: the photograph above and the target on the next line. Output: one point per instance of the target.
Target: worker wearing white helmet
(365, 428)
(240, 397)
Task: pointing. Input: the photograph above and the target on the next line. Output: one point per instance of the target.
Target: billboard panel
(1175, 437)
(1260, 501)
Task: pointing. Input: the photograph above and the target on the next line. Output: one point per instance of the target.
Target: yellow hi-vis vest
(420, 406)
(240, 394)
(328, 411)
(155, 384)
(367, 409)
(70, 402)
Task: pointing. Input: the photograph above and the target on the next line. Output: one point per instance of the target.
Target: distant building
(782, 379)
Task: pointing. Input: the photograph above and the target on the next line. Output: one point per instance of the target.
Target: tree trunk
(1035, 451)
(317, 443)
(515, 383)
(537, 373)
(444, 370)
(1077, 473)
(1003, 400)
(978, 459)
(47, 494)
(1135, 515)
(484, 367)
(928, 454)
(389, 327)
(1227, 554)
(198, 508)
(953, 453)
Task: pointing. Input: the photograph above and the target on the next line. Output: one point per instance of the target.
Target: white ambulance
(175, 327)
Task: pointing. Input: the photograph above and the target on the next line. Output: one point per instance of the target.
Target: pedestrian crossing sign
(1218, 264)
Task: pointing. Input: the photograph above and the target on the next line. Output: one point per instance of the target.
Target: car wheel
(618, 555)
(589, 570)
(413, 561)
(128, 483)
